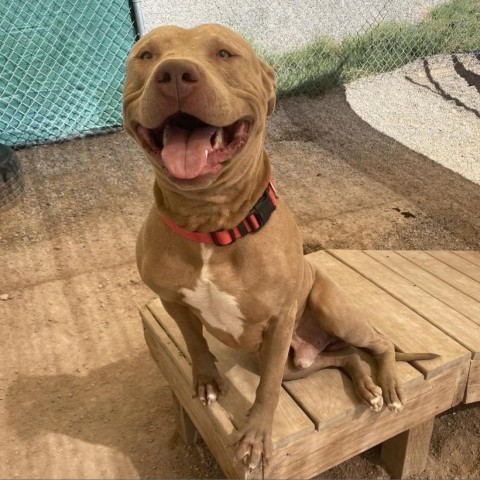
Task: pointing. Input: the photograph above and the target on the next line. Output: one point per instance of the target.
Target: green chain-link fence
(61, 68)
(62, 61)
(441, 34)
(317, 44)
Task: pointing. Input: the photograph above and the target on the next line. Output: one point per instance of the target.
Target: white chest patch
(218, 309)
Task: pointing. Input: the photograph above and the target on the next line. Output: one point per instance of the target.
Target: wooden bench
(423, 301)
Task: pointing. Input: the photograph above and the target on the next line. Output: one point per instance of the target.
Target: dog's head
(196, 101)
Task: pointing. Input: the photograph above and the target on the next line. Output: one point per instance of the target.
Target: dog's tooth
(206, 153)
(218, 139)
(166, 131)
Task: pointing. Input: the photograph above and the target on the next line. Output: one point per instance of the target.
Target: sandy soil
(80, 396)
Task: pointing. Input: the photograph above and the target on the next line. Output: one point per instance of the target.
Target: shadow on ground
(343, 174)
(124, 405)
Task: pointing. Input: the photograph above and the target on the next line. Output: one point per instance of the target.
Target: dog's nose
(177, 77)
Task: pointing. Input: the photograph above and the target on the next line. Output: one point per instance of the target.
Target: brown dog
(196, 101)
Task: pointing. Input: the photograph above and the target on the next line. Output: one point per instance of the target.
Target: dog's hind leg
(339, 318)
(352, 364)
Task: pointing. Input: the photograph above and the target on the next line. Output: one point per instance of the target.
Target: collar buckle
(263, 210)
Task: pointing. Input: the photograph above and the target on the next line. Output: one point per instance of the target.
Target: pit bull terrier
(219, 246)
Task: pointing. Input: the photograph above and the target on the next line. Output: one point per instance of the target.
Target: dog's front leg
(254, 440)
(207, 382)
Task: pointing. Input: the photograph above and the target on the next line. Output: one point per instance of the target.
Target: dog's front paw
(208, 386)
(252, 443)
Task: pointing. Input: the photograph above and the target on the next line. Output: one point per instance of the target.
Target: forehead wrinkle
(217, 35)
(158, 37)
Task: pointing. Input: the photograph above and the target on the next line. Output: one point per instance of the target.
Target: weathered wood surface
(458, 263)
(473, 386)
(213, 423)
(406, 453)
(239, 371)
(339, 441)
(185, 427)
(440, 287)
(319, 421)
(422, 276)
(472, 257)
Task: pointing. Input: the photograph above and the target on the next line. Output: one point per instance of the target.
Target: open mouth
(186, 147)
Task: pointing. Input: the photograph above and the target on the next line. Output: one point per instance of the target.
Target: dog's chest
(217, 308)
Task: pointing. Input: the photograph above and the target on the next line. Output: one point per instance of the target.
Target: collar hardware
(256, 219)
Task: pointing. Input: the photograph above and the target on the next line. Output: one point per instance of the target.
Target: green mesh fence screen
(62, 65)
(62, 61)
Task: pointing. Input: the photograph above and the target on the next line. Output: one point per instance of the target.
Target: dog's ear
(269, 84)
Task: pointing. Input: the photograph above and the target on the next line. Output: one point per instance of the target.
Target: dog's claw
(376, 403)
(252, 445)
(207, 388)
(395, 406)
(211, 395)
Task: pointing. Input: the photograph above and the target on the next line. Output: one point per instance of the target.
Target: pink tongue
(184, 153)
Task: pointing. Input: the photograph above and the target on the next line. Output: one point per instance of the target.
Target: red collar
(253, 222)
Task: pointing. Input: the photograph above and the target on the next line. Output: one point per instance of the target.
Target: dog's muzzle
(186, 147)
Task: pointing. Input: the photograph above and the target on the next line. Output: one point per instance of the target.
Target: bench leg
(406, 453)
(185, 427)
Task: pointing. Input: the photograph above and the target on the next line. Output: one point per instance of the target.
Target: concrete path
(432, 107)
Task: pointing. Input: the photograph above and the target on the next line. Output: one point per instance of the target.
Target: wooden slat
(458, 263)
(473, 393)
(473, 257)
(329, 397)
(408, 330)
(239, 371)
(444, 272)
(213, 422)
(430, 283)
(462, 376)
(473, 387)
(314, 452)
(446, 318)
(338, 442)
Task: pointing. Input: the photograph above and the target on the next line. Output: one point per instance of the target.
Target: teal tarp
(62, 64)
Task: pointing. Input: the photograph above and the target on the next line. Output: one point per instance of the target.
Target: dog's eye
(224, 54)
(146, 56)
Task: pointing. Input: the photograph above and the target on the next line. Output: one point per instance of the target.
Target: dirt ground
(79, 395)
